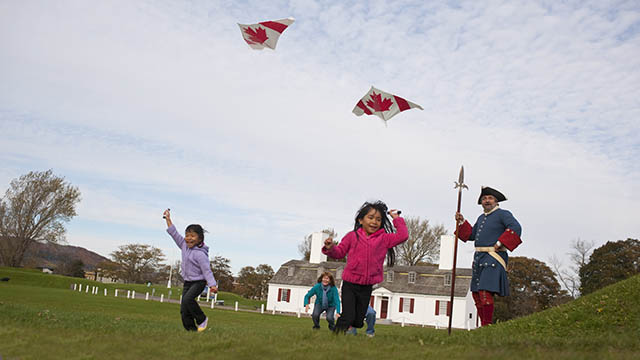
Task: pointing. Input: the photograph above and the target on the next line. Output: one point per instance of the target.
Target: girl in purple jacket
(366, 246)
(196, 272)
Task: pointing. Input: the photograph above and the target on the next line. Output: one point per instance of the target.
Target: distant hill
(54, 255)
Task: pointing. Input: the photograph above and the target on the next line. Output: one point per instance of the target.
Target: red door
(383, 308)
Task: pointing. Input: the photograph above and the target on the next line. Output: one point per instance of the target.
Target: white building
(418, 295)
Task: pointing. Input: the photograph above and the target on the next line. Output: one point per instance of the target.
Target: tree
(74, 268)
(610, 263)
(570, 278)
(222, 272)
(423, 243)
(304, 248)
(137, 262)
(253, 282)
(34, 209)
(533, 287)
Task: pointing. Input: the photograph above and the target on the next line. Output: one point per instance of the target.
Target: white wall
(296, 302)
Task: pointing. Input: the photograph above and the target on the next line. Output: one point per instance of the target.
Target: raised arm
(177, 238)
(401, 235)
(338, 251)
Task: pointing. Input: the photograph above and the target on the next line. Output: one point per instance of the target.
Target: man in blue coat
(494, 232)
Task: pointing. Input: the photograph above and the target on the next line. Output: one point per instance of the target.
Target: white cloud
(153, 105)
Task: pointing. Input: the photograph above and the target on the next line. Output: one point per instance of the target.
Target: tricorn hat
(489, 191)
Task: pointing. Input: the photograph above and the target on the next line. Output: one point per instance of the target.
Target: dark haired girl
(196, 272)
(366, 246)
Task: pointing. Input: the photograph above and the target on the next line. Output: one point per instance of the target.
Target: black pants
(355, 300)
(189, 308)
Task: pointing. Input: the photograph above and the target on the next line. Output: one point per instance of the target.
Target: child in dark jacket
(327, 299)
(196, 272)
(366, 246)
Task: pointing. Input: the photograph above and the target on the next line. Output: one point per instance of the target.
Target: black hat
(489, 191)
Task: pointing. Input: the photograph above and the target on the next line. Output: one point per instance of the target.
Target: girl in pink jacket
(366, 246)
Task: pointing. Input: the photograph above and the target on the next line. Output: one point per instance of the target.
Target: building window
(443, 307)
(406, 305)
(284, 295)
(291, 269)
(390, 275)
(412, 277)
(447, 279)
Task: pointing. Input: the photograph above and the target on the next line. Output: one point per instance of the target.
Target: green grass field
(41, 318)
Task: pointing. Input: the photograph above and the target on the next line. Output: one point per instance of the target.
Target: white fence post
(198, 298)
(236, 306)
(161, 297)
(75, 287)
(180, 299)
(133, 294)
(116, 295)
(261, 308)
(87, 289)
(79, 287)
(147, 297)
(402, 322)
(212, 302)
(128, 294)
(208, 294)
(274, 310)
(298, 313)
(105, 291)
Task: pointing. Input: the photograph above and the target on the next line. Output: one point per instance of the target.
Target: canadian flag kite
(264, 34)
(382, 104)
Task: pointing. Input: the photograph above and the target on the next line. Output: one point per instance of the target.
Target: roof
(429, 280)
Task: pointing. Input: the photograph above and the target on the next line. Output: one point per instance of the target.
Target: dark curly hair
(382, 208)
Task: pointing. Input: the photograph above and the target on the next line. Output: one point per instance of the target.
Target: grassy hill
(50, 322)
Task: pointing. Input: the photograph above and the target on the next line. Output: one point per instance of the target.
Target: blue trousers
(318, 310)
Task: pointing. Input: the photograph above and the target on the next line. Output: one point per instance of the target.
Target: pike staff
(459, 185)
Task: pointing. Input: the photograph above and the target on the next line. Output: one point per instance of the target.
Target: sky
(148, 105)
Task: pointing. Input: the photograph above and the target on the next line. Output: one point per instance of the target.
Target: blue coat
(487, 273)
(332, 296)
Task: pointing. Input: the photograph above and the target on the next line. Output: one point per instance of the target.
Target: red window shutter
(288, 295)
(411, 306)
(448, 308)
(279, 294)
(401, 303)
(371, 301)
(437, 307)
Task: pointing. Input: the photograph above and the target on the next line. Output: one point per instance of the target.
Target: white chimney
(446, 252)
(317, 242)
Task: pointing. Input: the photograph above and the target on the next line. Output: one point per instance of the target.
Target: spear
(459, 185)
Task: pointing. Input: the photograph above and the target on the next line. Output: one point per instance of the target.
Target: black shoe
(316, 328)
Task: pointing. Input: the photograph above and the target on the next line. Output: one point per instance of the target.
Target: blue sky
(148, 105)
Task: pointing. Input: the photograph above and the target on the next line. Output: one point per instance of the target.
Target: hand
(166, 214)
(459, 218)
(328, 244)
(213, 289)
(394, 213)
(337, 315)
(306, 308)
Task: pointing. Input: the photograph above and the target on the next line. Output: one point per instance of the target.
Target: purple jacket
(366, 253)
(195, 261)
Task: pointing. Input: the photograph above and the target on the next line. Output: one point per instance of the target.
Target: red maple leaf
(257, 36)
(379, 104)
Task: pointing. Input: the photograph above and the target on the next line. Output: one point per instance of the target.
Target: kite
(382, 104)
(264, 34)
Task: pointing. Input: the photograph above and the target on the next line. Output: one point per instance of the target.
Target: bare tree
(569, 277)
(34, 209)
(423, 243)
(304, 248)
(137, 262)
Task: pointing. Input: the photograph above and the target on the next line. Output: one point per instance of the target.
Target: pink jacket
(366, 253)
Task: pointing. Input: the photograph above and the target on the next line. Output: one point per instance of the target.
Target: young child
(327, 299)
(372, 237)
(196, 272)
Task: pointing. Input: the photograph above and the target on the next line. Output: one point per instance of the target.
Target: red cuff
(510, 239)
(464, 231)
